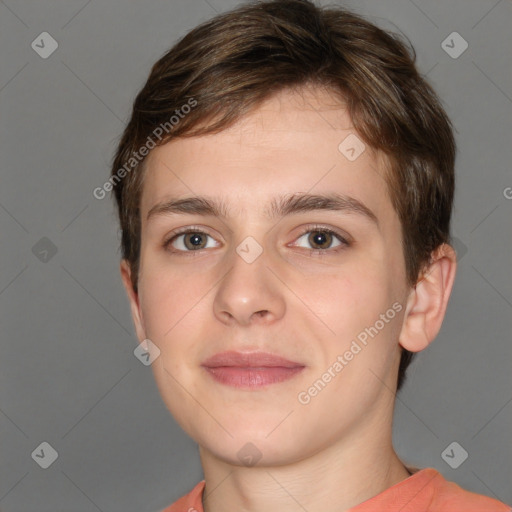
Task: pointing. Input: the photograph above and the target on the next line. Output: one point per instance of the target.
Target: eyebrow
(278, 207)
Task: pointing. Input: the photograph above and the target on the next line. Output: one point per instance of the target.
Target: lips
(250, 370)
(249, 360)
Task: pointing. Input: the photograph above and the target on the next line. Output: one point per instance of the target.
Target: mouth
(250, 370)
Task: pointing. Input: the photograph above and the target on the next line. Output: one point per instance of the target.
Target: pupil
(195, 239)
(319, 238)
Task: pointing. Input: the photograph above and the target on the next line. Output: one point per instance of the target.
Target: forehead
(290, 143)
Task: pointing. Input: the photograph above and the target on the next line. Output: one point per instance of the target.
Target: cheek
(353, 301)
(169, 299)
(351, 297)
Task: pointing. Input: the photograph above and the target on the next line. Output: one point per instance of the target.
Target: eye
(188, 240)
(321, 239)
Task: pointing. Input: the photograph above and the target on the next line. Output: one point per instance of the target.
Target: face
(322, 286)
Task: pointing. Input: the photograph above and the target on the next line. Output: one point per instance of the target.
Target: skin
(335, 451)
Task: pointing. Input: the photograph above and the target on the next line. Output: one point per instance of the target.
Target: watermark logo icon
(459, 246)
(44, 250)
(146, 352)
(249, 250)
(44, 45)
(352, 147)
(249, 454)
(454, 45)
(45, 455)
(454, 455)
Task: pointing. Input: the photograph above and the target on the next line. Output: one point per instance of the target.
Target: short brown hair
(232, 63)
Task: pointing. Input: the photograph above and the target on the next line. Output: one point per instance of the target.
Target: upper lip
(249, 360)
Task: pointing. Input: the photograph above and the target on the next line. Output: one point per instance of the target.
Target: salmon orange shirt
(424, 491)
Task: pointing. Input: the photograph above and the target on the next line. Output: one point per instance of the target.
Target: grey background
(68, 375)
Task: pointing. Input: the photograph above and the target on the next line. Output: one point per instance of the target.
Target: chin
(255, 447)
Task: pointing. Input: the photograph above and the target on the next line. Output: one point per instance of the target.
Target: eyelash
(307, 229)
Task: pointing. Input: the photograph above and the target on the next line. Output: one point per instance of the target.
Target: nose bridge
(249, 288)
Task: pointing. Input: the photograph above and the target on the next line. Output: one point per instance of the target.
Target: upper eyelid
(188, 229)
(306, 229)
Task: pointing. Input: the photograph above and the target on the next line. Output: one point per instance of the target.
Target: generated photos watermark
(143, 151)
(356, 346)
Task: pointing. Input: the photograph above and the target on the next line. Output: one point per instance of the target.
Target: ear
(427, 301)
(133, 297)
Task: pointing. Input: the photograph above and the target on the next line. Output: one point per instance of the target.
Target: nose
(250, 293)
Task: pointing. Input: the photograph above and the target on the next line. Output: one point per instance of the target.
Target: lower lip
(252, 378)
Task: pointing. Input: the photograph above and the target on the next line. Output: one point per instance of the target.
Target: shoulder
(426, 490)
(190, 502)
(447, 496)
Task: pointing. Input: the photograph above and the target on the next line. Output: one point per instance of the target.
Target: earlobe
(134, 300)
(428, 300)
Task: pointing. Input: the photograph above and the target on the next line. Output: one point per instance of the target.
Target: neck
(332, 480)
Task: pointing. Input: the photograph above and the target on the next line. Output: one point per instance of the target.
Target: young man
(285, 187)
